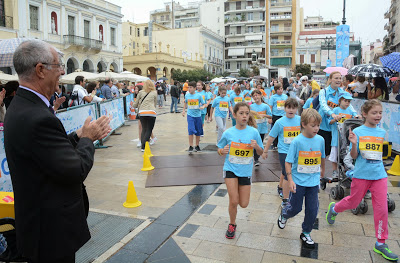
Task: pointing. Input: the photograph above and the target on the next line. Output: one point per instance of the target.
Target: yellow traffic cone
(147, 150)
(146, 163)
(131, 197)
(395, 170)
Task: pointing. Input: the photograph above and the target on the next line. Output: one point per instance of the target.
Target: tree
(256, 70)
(225, 74)
(244, 72)
(304, 69)
(192, 75)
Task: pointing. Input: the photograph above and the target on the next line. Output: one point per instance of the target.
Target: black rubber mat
(106, 231)
(203, 168)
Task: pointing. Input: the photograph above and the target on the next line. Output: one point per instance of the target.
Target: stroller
(343, 180)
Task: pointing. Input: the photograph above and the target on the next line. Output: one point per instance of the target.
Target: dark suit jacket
(47, 170)
(63, 105)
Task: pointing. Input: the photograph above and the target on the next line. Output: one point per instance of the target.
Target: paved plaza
(188, 223)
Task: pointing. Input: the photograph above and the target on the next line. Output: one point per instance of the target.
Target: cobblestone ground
(178, 230)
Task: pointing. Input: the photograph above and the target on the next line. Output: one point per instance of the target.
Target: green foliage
(304, 69)
(225, 74)
(244, 72)
(256, 70)
(243, 17)
(192, 75)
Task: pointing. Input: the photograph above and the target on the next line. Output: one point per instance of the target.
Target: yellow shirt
(314, 85)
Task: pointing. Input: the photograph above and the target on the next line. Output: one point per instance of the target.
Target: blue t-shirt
(308, 103)
(369, 165)
(205, 97)
(240, 158)
(247, 96)
(278, 104)
(346, 114)
(262, 124)
(268, 91)
(221, 106)
(194, 102)
(236, 98)
(286, 130)
(229, 93)
(305, 155)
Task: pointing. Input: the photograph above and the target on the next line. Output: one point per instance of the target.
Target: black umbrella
(260, 77)
(163, 78)
(242, 78)
(371, 71)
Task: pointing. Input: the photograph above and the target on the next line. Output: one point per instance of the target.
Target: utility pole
(344, 12)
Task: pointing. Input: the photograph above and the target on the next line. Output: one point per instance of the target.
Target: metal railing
(6, 21)
(281, 17)
(275, 42)
(83, 41)
(281, 4)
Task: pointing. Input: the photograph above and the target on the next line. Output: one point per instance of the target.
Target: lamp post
(329, 43)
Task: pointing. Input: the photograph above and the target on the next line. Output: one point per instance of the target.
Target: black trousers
(147, 128)
(274, 119)
(327, 135)
(256, 156)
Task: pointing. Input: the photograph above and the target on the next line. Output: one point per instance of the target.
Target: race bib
(371, 147)
(289, 133)
(238, 99)
(309, 162)
(223, 106)
(280, 104)
(193, 104)
(332, 104)
(204, 97)
(240, 153)
(247, 99)
(344, 117)
(261, 120)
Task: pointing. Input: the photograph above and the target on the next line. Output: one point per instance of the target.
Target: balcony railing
(83, 41)
(386, 27)
(281, 54)
(281, 17)
(215, 60)
(276, 30)
(277, 42)
(6, 21)
(281, 4)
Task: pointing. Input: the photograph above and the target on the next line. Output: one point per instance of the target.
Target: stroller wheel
(364, 207)
(391, 205)
(356, 210)
(322, 185)
(340, 192)
(334, 193)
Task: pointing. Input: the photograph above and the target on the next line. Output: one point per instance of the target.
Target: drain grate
(106, 231)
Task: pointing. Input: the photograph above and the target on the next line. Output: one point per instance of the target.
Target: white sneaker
(139, 144)
(153, 141)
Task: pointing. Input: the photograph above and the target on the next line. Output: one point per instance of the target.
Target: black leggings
(256, 156)
(327, 135)
(274, 119)
(208, 111)
(147, 128)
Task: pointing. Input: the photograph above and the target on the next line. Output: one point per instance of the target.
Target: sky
(365, 17)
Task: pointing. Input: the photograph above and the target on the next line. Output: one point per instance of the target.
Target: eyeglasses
(61, 65)
(304, 80)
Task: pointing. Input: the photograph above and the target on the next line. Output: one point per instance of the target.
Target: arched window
(101, 33)
(54, 27)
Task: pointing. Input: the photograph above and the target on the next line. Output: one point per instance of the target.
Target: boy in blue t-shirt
(277, 104)
(194, 103)
(201, 89)
(308, 103)
(285, 130)
(262, 113)
(222, 105)
(305, 165)
(344, 111)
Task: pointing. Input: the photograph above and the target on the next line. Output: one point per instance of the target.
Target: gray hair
(28, 54)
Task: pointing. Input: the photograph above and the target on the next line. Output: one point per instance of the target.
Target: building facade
(283, 26)
(391, 42)
(372, 52)
(244, 34)
(87, 32)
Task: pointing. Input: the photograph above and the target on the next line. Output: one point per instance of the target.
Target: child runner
(369, 173)
(308, 103)
(236, 97)
(262, 113)
(277, 104)
(211, 97)
(237, 143)
(222, 105)
(345, 113)
(194, 103)
(247, 95)
(201, 89)
(305, 165)
(285, 130)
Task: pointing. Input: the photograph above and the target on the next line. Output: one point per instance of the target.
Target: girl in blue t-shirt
(238, 143)
(222, 105)
(369, 174)
(201, 89)
(211, 97)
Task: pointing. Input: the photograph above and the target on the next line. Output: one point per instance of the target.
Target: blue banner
(74, 118)
(342, 44)
(115, 108)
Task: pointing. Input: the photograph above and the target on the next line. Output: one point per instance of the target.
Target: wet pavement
(188, 223)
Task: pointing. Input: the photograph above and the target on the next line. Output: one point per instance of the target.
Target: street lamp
(328, 42)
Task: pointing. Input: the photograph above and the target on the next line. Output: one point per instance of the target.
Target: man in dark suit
(60, 99)
(47, 166)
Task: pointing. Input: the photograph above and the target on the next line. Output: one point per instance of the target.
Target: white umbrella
(133, 77)
(218, 80)
(109, 74)
(4, 78)
(70, 78)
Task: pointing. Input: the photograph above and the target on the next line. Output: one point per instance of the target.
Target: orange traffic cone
(131, 197)
(146, 163)
(147, 150)
(395, 170)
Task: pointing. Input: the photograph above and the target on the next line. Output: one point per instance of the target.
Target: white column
(119, 38)
(106, 36)
(23, 15)
(45, 21)
(79, 24)
(94, 32)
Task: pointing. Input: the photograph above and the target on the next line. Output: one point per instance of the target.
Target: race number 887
(372, 146)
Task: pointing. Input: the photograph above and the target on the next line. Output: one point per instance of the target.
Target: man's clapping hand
(95, 130)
